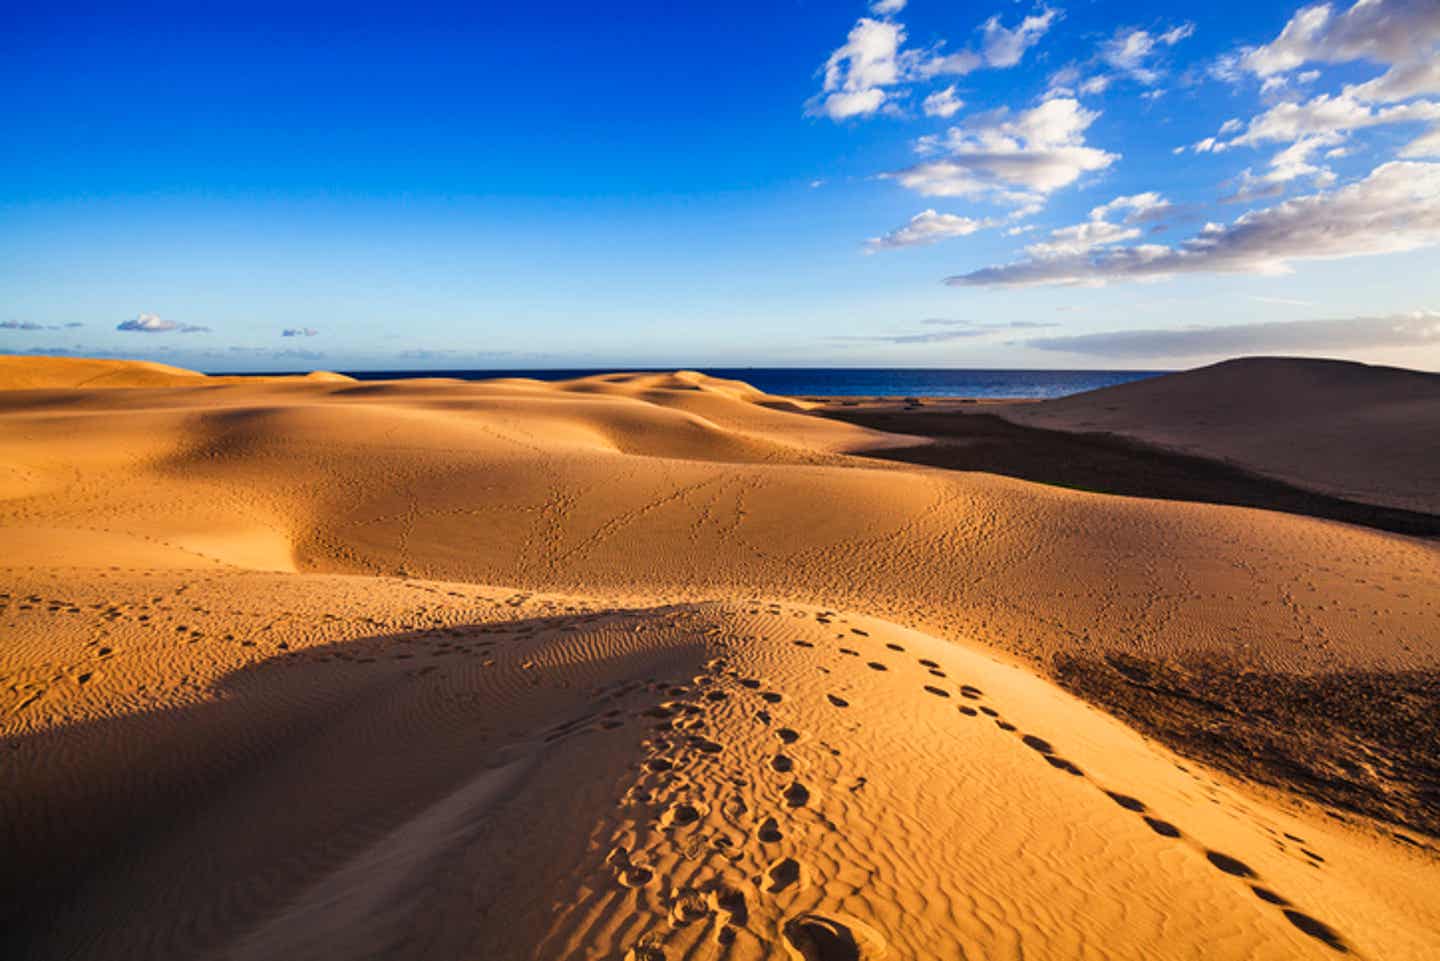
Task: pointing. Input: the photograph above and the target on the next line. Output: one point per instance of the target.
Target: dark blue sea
(850, 381)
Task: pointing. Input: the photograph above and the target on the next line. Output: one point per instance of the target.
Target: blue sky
(919, 184)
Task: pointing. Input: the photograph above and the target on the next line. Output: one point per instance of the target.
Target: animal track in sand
(782, 763)
(821, 937)
(837, 701)
(797, 795)
(937, 691)
(769, 831)
(1229, 865)
(787, 735)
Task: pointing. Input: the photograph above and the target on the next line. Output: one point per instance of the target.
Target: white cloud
(1141, 208)
(1132, 51)
(943, 103)
(1005, 47)
(153, 324)
(1097, 84)
(1381, 31)
(1396, 208)
(1418, 329)
(857, 73)
(927, 227)
(1069, 241)
(868, 73)
(1014, 159)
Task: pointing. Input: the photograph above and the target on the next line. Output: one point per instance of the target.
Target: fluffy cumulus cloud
(1380, 31)
(299, 332)
(1004, 47)
(1396, 208)
(1134, 208)
(1136, 52)
(153, 324)
(1418, 329)
(857, 73)
(943, 103)
(1013, 158)
(927, 227)
(1401, 35)
(872, 71)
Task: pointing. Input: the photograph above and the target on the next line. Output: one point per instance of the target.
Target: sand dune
(648, 666)
(1341, 428)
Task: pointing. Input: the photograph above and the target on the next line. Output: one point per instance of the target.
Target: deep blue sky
(667, 184)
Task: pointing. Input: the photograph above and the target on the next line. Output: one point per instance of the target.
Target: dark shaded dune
(1348, 430)
(1110, 464)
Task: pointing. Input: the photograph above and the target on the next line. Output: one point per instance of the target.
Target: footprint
(771, 697)
(837, 701)
(1059, 763)
(680, 815)
(782, 874)
(937, 691)
(1265, 894)
(781, 763)
(968, 711)
(803, 644)
(1230, 865)
(797, 795)
(1163, 828)
(895, 647)
(769, 831)
(1127, 802)
(831, 937)
(876, 666)
(926, 662)
(787, 735)
(1317, 929)
(1038, 744)
(846, 650)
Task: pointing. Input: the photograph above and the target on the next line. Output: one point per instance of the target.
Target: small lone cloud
(153, 324)
(299, 332)
(20, 325)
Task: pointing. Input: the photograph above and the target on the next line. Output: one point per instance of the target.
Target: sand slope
(645, 666)
(1351, 430)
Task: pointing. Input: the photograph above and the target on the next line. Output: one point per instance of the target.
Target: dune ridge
(650, 667)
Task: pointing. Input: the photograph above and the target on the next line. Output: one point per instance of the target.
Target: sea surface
(850, 381)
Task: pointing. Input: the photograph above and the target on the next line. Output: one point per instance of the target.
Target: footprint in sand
(769, 831)
(797, 795)
(782, 763)
(781, 875)
(937, 691)
(877, 666)
(787, 735)
(831, 937)
(837, 701)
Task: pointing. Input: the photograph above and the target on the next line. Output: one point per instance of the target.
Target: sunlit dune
(655, 666)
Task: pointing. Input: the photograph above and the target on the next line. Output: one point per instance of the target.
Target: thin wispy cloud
(927, 227)
(1418, 329)
(299, 332)
(153, 324)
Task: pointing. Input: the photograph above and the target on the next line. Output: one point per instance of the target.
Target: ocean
(850, 381)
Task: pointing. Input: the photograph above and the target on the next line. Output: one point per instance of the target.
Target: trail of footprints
(681, 757)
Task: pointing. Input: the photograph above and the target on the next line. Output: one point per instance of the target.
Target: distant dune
(1341, 428)
(26, 372)
(650, 667)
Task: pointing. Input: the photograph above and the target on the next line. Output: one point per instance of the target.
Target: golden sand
(641, 666)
